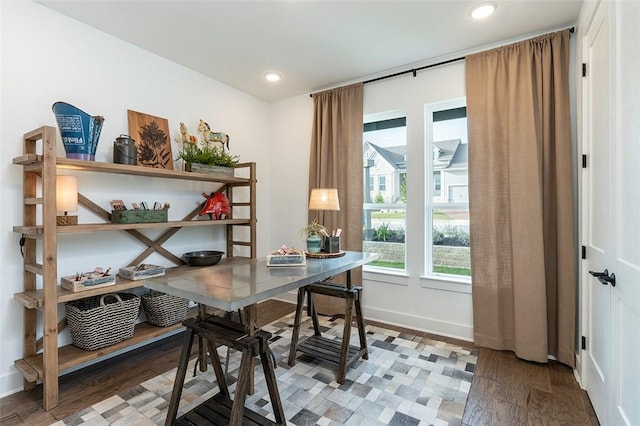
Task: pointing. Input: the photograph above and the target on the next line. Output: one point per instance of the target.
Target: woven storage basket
(164, 309)
(100, 321)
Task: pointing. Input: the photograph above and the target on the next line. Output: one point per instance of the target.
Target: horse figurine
(186, 137)
(210, 136)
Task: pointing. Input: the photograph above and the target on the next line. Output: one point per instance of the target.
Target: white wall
(408, 300)
(412, 300)
(47, 57)
(290, 144)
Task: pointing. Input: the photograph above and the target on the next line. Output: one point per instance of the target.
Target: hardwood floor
(504, 391)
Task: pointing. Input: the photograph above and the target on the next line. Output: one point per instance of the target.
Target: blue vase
(79, 131)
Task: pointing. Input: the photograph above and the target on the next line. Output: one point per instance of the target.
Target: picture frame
(153, 140)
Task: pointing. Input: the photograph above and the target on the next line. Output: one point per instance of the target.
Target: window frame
(379, 273)
(430, 278)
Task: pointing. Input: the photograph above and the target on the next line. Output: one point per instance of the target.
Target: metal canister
(124, 150)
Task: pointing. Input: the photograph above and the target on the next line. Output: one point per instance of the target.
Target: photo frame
(153, 140)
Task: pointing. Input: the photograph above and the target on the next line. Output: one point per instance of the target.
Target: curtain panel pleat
(336, 162)
(521, 198)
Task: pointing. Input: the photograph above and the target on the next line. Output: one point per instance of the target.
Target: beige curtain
(521, 198)
(336, 162)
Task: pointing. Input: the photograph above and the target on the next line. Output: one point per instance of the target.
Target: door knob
(604, 277)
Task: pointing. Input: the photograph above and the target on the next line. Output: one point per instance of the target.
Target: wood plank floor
(504, 391)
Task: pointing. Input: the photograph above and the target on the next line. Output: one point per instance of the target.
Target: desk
(241, 284)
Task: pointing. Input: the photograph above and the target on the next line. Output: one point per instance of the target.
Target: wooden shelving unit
(42, 359)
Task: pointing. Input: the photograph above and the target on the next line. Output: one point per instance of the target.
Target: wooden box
(141, 272)
(70, 283)
(139, 216)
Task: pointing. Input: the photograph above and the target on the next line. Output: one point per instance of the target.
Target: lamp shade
(66, 193)
(324, 199)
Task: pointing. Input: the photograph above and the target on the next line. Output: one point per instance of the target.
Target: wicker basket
(164, 309)
(100, 321)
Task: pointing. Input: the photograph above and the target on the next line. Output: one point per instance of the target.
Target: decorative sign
(152, 139)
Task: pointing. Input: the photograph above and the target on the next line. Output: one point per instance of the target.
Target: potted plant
(207, 157)
(313, 233)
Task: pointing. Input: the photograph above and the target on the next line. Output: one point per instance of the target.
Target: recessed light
(272, 76)
(482, 10)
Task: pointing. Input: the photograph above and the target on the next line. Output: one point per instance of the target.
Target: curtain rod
(414, 71)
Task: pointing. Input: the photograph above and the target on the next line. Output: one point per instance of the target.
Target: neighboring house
(450, 166)
(389, 165)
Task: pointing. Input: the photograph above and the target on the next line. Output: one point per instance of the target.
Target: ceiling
(313, 44)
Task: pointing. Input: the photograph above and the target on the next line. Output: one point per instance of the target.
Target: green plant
(450, 235)
(209, 153)
(312, 229)
(383, 232)
(403, 188)
(379, 199)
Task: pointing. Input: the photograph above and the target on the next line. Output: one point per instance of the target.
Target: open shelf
(34, 160)
(40, 165)
(70, 356)
(98, 227)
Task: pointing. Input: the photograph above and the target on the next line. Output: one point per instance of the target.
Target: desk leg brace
(237, 413)
(343, 354)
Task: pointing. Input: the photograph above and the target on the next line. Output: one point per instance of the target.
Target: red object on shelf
(216, 206)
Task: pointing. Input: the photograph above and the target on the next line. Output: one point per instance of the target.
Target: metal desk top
(236, 283)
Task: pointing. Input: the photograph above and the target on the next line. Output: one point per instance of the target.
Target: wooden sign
(153, 140)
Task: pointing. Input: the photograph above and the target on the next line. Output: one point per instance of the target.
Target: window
(437, 177)
(383, 218)
(382, 183)
(438, 226)
(448, 202)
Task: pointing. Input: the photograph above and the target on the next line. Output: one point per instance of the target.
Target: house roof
(394, 155)
(452, 154)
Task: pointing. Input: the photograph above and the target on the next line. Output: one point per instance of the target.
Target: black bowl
(203, 258)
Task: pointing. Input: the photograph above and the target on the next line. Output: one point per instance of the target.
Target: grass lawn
(452, 271)
(387, 215)
(400, 215)
(387, 264)
(439, 269)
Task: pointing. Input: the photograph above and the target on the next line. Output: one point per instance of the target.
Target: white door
(611, 200)
(625, 253)
(597, 211)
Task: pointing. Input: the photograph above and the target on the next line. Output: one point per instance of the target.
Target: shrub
(387, 234)
(450, 235)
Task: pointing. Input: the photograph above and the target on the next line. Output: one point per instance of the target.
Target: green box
(138, 216)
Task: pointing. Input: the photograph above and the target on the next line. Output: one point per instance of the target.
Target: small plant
(379, 199)
(383, 232)
(209, 153)
(312, 230)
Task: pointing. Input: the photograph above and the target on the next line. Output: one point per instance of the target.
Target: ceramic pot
(314, 243)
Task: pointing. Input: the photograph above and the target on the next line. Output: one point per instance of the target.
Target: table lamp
(324, 199)
(66, 199)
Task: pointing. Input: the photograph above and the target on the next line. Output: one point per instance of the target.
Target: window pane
(384, 150)
(450, 194)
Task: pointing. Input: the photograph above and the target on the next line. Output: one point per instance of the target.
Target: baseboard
(419, 323)
(11, 383)
(427, 325)
(578, 369)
